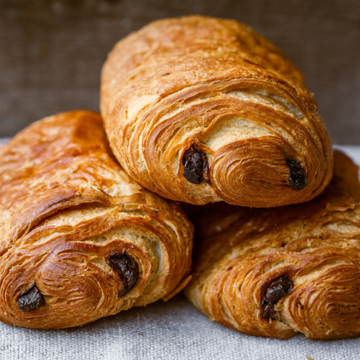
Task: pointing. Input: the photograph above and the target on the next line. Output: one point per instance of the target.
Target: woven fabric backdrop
(51, 51)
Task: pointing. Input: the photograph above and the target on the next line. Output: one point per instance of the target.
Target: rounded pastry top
(79, 239)
(200, 110)
(277, 272)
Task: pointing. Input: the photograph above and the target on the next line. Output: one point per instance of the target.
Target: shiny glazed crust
(315, 246)
(65, 207)
(218, 85)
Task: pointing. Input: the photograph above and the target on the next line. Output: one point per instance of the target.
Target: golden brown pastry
(79, 239)
(286, 270)
(201, 110)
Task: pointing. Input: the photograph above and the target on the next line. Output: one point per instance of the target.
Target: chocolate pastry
(128, 270)
(218, 85)
(297, 177)
(195, 165)
(30, 299)
(273, 293)
(79, 239)
(285, 270)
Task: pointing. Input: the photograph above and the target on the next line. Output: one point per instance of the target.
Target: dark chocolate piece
(195, 165)
(297, 177)
(127, 268)
(31, 299)
(273, 293)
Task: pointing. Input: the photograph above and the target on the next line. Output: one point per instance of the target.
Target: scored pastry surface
(201, 110)
(79, 239)
(286, 270)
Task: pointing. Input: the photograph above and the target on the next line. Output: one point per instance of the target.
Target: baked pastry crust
(215, 90)
(80, 240)
(286, 270)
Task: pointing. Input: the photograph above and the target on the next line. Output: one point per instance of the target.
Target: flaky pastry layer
(79, 239)
(281, 271)
(200, 110)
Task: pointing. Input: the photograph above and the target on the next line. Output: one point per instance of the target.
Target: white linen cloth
(173, 330)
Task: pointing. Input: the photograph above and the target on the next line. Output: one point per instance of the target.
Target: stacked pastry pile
(197, 110)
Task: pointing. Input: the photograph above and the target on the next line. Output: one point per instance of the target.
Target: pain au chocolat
(80, 240)
(201, 110)
(283, 271)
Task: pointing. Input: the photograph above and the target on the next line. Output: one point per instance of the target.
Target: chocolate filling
(273, 293)
(195, 165)
(31, 299)
(127, 268)
(297, 177)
